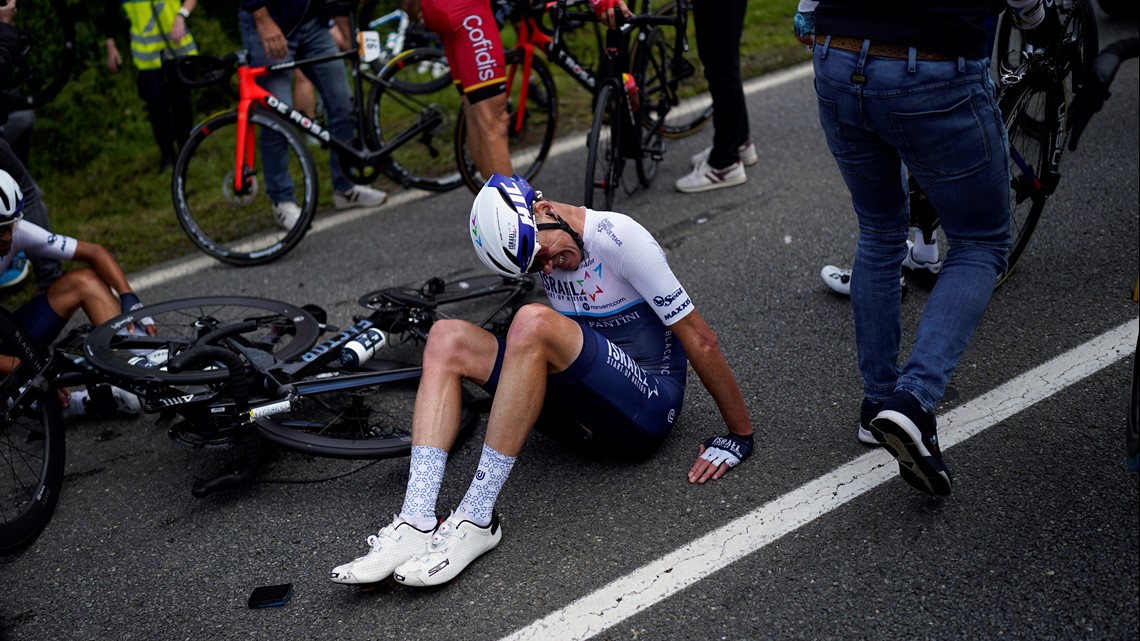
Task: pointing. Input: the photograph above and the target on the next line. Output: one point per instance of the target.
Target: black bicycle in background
(238, 372)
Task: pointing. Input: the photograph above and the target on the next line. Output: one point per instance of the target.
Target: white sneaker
(451, 549)
(286, 213)
(916, 265)
(839, 280)
(359, 196)
(79, 403)
(747, 153)
(704, 178)
(393, 545)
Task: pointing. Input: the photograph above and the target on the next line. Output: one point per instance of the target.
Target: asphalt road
(1039, 539)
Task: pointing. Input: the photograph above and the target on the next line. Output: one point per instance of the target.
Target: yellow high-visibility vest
(151, 21)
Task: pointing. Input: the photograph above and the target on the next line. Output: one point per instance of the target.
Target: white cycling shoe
(451, 549)
(393, 545)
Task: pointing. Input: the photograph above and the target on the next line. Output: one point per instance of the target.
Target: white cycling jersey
(34, 240)
(626, 291)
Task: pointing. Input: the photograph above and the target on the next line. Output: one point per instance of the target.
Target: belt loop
(961, 64)
(826, 46)
(911, 56)
(862, 56)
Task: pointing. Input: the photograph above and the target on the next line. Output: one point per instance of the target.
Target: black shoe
(867, 411)
(908, 432)
(165, 166)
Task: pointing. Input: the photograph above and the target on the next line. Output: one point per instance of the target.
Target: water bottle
(631, 91)
(361, 348)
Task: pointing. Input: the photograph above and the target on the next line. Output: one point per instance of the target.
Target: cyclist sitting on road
(607, 364)
(46, 314)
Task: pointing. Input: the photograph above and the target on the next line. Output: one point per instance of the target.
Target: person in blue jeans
(278, 30)
(900, 83)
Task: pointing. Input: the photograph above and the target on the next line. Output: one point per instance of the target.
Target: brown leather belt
(882, 49)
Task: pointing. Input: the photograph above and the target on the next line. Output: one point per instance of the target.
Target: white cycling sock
(425, 475)
(478, 503)
(78, 404)
(922, 252)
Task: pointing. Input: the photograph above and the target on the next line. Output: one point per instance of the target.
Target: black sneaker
(869, 410)
(908, 432)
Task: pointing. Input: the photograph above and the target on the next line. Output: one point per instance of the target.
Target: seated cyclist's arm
(703, 348)
(103, 264)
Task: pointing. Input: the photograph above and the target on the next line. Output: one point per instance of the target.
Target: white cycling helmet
(503, 228)
(11, 199)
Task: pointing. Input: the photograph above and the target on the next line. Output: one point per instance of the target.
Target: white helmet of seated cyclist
(11, 199)
(503, 228)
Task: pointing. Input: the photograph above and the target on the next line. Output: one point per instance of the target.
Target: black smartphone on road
(268, 596)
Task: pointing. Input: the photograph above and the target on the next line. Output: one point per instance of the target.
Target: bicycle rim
(604, 162)
(283, 330)
(529, 136)
(373, 421)
(686, 90)
(31, 443)
(651, 69)
(47, 34)
(1024, 110)
(236, 224)
(413, 85)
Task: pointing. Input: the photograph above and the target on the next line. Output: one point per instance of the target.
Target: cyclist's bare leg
(540, 342)
(487, 135)
(455, 350)
(83, 289)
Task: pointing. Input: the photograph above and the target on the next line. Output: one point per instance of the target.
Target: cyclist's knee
(533, 327)
(454, 344)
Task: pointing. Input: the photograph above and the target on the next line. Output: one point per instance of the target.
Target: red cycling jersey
(472, 44)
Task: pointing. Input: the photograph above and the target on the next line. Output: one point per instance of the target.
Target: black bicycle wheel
(47, 48)
(31, 442)
(236, 223)
(651, 70)
(604, 160)
(685, 88)
(1082, 38)
(530, 137)
(284, 330)
(412, 86)
(1028, 122)
(372, 421)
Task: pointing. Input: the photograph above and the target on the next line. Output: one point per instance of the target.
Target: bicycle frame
(251, 94)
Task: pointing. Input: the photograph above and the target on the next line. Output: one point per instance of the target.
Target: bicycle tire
(47, 34)
(604, 160)
(411, 84)
(31, 442)
(687, 90)
(1023, 108)
(373, 421)
(287, 333)
(529, 142)
(651, 68)
(239, 227)
(1085, 39)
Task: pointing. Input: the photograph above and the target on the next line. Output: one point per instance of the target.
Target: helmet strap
(564, 226)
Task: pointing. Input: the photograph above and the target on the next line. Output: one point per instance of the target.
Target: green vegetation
(96, 161)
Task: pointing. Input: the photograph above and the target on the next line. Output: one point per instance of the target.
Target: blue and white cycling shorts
(40, 320)
(606, 397)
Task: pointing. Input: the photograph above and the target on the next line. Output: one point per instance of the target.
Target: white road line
(649, 585)
(164, 274)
